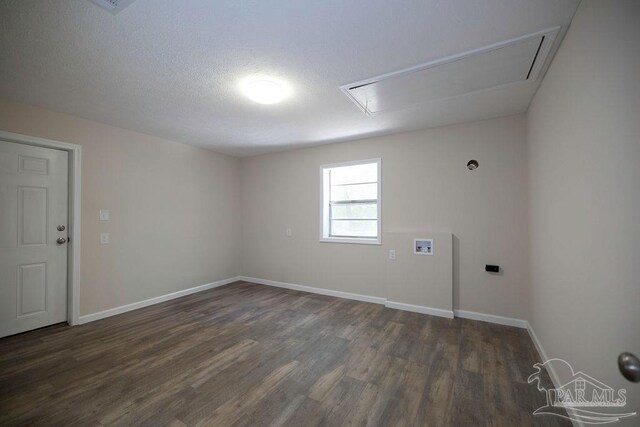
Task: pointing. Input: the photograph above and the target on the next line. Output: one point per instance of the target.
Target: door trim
(75, 175)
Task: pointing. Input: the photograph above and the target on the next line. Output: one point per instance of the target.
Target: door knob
(629, 366)
(61, 240)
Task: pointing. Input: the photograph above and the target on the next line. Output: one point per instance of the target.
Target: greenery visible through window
(351, 200)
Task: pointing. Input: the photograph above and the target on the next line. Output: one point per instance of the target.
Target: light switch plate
(289, 232)
(104, 238)
(392, 254)
(104, 215)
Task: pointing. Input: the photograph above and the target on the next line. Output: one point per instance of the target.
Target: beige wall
(584, 163)
(174, 209)
(425, 187)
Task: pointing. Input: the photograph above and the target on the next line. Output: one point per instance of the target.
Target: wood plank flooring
(252, 355)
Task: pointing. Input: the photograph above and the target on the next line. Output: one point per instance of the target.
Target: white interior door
(34, 196)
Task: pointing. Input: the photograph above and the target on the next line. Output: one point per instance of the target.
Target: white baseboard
(310, 289)
(543, 355)
(537, 344)
(151, 301)
(419, 309)
(491, 318)
(349, 295)
(552, 373)
(339, 294)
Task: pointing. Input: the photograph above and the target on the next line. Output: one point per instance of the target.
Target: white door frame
(73, 263)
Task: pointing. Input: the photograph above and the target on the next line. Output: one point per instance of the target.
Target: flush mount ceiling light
(265, 90)
(472, 165)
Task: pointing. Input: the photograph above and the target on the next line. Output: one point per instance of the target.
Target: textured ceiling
(171, 68)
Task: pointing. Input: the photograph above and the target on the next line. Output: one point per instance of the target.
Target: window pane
(354, 192)
(354, 174)
(354, 228)
(355, 211)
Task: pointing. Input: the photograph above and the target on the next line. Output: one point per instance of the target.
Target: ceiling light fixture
(265, 90)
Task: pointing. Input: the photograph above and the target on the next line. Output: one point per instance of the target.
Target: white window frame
(324, 206)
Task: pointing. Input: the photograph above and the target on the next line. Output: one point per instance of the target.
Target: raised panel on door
(37, 165)
(32, 216)
(32, 289)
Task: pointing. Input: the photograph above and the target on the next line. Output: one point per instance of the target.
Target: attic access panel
(511, 61)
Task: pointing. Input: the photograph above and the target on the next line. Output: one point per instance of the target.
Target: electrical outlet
(392, 254)
(104, 238)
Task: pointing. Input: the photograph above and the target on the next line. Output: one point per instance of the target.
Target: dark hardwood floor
(252, 355)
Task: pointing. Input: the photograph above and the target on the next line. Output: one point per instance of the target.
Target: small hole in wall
(472, 164)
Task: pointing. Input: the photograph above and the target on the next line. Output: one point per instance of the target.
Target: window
(350, 202)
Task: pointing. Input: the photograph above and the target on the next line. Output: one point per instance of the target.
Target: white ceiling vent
(517, 60)
(113, 6)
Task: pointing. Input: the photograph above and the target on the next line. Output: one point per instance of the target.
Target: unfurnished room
(319, 213)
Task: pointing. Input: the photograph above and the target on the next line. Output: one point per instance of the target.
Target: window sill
(351, 241)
